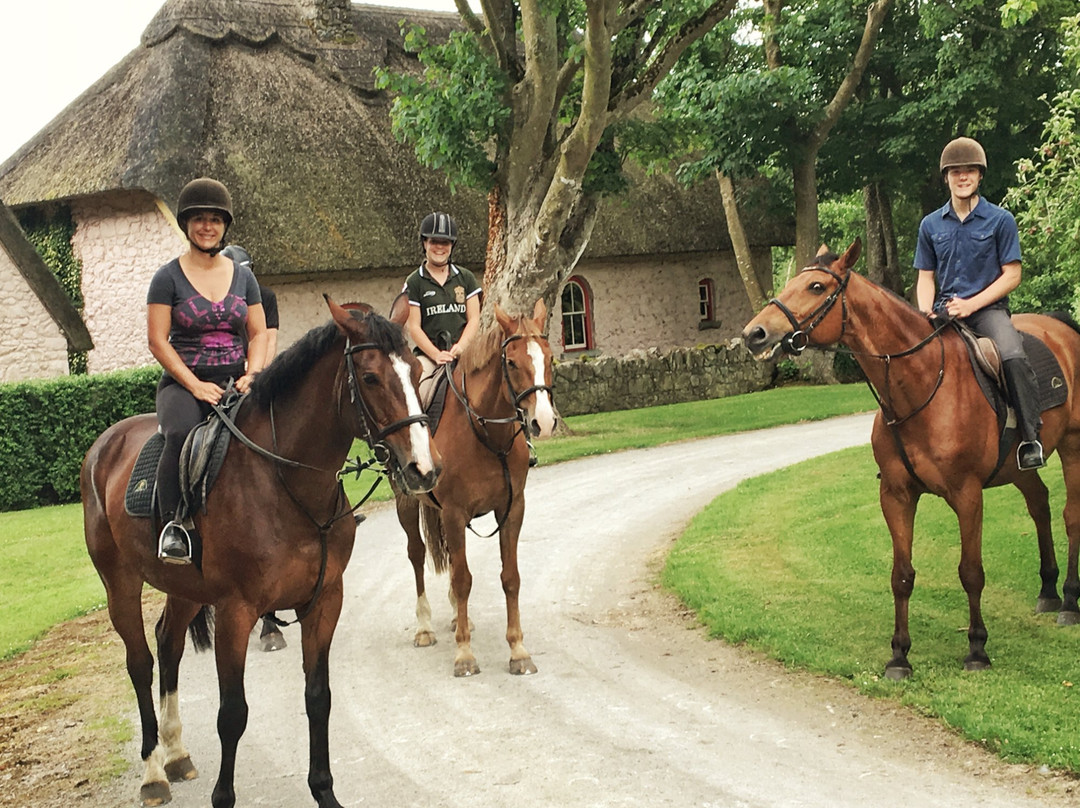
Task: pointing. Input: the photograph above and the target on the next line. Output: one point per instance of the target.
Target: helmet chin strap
(213, 251)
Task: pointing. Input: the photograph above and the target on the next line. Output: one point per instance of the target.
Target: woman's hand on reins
(207, 391)
(243, 384)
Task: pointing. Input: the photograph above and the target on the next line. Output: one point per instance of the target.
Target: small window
(705, 299)
(576, 316)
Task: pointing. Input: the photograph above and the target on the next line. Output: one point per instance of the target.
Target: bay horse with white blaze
(935, 431)
(277, 533)
(499, 390)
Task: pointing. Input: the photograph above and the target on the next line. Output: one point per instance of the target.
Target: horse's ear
(339, 313)
(399, 309)
(822, 250)
(540, 314)
(849, 258)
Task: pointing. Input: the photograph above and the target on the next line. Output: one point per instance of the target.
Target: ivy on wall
(50, 231)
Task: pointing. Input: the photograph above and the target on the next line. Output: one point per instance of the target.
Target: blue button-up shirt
(966, 256)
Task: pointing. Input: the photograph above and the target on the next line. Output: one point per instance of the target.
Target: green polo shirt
(442, 308)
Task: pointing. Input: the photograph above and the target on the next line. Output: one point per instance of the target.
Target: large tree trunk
(743, 258)
(806, 211)
(882, 258)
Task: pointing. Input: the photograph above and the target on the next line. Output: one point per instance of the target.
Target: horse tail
(435, 538)
(201, 629)
(1066, 318)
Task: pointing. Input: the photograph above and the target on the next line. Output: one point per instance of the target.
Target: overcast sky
(52, 50)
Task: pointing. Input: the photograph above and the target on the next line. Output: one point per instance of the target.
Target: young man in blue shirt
(968, 257)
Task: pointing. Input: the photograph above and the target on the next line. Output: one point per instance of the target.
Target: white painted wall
(121, 239)
(31, 343)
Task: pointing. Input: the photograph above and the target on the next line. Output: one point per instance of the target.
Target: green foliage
(801, 573)
(455, 112)
(1046, 203)
(49, 425)
(51, 232)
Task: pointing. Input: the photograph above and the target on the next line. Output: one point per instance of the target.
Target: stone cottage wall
(653, 303)
(121, 240)
(649, 378)
(31, 343)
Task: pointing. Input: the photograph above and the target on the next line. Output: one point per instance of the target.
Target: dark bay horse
(935, 431)
(277, 533)
(500, 388)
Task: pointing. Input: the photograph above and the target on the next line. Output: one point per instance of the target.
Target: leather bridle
(799, 339)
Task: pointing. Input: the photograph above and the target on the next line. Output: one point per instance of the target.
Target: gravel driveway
(632, 705)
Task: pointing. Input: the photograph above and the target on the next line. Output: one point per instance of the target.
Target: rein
(374, 439)
(480, 422)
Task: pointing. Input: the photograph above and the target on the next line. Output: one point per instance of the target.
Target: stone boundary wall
(646, 378)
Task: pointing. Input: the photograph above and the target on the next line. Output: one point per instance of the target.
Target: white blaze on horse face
(544, 413)
(418, 434)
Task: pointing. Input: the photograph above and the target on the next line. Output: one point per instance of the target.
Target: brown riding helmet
(203, 194)
(963, 151)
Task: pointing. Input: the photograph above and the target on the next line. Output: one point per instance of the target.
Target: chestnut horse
(500, 389)
(277, 533)
(935, 431)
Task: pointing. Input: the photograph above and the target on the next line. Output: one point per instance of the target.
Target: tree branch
(633, 93)
(875, 17)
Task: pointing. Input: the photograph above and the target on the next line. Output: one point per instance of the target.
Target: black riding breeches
(178, 412)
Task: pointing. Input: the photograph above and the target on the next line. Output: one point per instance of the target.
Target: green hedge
(49, 425)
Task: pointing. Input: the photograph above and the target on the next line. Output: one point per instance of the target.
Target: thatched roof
(276, 98)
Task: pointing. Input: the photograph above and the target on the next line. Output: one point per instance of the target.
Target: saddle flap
(984, 352)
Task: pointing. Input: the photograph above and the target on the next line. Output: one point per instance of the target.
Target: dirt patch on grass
(66, 709)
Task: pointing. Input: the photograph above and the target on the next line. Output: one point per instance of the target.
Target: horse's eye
(512, 364)
(817, 287)
(371, 378)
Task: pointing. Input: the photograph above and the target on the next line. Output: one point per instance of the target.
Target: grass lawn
(800, 570)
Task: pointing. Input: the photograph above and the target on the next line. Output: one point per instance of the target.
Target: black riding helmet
(204, 194)
(438, 225)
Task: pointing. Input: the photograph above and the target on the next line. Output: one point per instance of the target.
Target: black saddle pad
(1053, 390)
(139, 496)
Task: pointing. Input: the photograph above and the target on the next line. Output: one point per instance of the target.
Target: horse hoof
(157, 793)
(466, 667)
(897, 672)
(274, 641)
(1068, 618)
(424, 639)
(976, 664)
(1047, 605)
(522, 667)
(181, 769)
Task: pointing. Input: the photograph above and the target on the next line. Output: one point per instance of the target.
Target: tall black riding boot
(1024, 391)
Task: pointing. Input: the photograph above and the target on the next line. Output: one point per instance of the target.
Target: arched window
(705, 299)
(576, 315)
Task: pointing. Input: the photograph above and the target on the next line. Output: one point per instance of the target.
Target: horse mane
(487, 343)
(291, 366)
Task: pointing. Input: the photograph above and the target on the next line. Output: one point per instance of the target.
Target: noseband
(799, 339)
(376, 440)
